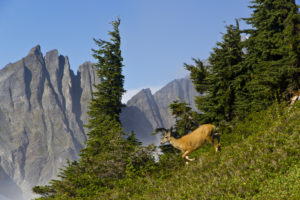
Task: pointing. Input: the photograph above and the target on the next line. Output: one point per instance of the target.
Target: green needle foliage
(273, 48)
(105, 142)
(107, 98)
(249, 76)
(216, 81)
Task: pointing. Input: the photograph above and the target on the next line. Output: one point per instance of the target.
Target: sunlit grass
(258, 156)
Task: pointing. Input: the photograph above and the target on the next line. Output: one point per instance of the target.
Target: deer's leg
(215, 140)
(185, 156)
(189, 159)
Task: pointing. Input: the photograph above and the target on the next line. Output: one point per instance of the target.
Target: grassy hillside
(260, 159)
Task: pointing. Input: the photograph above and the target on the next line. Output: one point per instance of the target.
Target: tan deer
(194, 140)
(295, 97)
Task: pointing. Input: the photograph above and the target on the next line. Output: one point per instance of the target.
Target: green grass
(260, 159)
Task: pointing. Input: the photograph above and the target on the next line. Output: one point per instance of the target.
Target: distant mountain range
(43, 107)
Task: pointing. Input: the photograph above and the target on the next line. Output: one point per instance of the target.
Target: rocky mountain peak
(85, 66)
(143, 95)
(40, 119)
(35, 51)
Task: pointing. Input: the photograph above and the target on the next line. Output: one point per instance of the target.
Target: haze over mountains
(43, 107)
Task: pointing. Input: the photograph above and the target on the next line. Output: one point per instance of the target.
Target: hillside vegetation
(260, 159)
(241, 88)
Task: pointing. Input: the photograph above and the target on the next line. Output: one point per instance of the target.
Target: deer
(295, 97)
(194, 140)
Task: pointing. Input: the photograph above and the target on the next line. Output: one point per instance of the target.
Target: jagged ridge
(41, 104)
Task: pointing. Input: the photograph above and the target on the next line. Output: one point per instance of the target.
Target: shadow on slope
(8, 189)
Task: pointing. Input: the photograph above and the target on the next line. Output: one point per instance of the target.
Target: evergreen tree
(198, 75)
(107, 154)
(217, 79)
(108, 94)
(186, 118)
(105, 150)
(273, 57)
(105, 106)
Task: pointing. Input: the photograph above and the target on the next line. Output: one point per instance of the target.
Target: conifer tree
(198, 75)
(216, 80)
(105, 157)
(273, 57)
(105, 151)
(108, 94)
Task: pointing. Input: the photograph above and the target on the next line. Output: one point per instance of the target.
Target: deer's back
(198, 137)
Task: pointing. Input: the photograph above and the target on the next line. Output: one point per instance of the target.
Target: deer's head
(166, 138)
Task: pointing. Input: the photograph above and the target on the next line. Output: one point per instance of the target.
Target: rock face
(146, 112)
(43, 107)
(181, 89)
(141, 115)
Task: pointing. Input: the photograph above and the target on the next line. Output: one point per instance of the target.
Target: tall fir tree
(108, 94)
(273, 51)
(217, 79)
(105, 158)
(105, 144)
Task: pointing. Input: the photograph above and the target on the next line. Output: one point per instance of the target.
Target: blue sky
(158, 36)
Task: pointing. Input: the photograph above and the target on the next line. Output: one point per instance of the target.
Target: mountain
(43, 107)
(145, 112)
(141, 115)
(41, 104)
(181, 89)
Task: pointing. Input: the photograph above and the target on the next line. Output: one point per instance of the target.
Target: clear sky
(158, 36)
